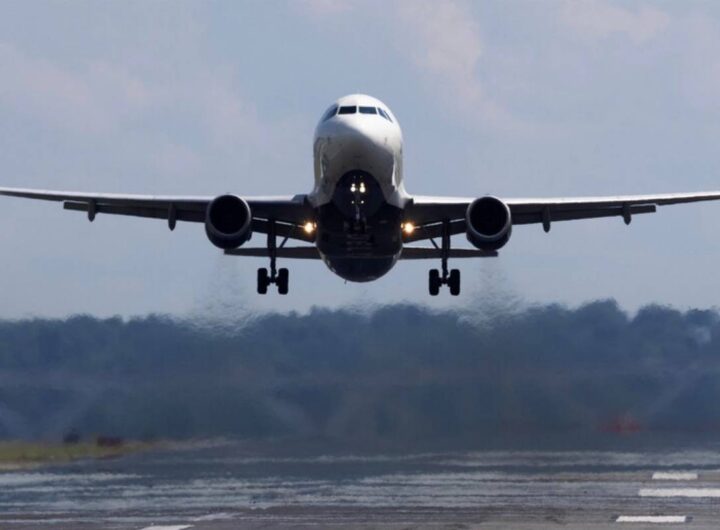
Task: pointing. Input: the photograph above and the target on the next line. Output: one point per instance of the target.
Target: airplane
(359, 219)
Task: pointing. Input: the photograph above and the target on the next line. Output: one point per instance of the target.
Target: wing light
(309, 227)
(407, 228)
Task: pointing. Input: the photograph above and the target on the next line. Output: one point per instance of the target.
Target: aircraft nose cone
(359, 134)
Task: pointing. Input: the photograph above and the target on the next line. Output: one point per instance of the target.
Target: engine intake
(228, 221)
(489, 223)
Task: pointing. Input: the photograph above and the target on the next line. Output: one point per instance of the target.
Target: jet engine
(228, 221)
(489, 223)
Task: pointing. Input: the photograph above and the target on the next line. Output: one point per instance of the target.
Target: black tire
(454, 282)
(434, 282)
(262, 281)
(283, 281)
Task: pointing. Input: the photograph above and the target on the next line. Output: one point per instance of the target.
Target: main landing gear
(280, 277)
(450, 278)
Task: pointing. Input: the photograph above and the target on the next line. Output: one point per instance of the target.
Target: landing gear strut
(451, 278)
(280, 277)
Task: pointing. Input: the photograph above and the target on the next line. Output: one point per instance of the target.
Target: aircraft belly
(360, 269)
(358, 234)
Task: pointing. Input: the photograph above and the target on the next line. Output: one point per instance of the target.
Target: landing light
(407, 228)
(309, 227)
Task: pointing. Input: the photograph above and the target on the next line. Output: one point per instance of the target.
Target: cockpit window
(352, 109)
(384, 114)
(330, 113)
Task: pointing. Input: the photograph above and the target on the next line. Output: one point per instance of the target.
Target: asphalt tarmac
(220, 486)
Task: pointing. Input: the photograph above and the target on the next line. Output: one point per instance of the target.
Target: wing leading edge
(290, 212)
(428, 212)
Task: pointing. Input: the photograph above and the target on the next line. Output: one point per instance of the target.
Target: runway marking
(680, 492)
(674, 475)
(652, 519)
(168, 527)
(220, 516)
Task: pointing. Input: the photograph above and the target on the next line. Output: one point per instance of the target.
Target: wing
(290, 212)
(427, 213)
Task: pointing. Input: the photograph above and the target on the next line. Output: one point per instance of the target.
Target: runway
(223, 486)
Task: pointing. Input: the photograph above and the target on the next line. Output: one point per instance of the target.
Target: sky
(518, 98)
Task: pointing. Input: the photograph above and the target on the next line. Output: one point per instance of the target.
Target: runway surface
(221, 486)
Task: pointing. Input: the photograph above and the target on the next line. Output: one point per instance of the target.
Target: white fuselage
(358, 141)
(358, 195)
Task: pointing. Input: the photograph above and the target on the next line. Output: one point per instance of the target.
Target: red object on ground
(624, 424)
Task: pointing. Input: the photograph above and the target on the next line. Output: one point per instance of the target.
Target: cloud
(443, 40)
(109, 98)
(322, 8)
(92, 99)
(226, 115)
(600, 19)
(700, 68)
(446, 39)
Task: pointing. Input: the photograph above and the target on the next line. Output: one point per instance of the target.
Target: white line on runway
(220, 516)
(652, 519)
(679, 492)
(171, 527)
(674, 475)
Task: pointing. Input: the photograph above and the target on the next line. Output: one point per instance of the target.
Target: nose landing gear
(451, 278)
(280, 277)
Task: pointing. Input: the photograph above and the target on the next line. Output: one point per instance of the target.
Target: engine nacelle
(228, 221)
(489, 223)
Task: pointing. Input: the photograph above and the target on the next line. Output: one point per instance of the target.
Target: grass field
(17, 454)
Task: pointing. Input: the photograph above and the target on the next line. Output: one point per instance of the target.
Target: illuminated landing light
(309, 227)
(407, 228)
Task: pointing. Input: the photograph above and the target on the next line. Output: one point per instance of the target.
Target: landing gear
(451, 278)
(280, 277)
(283, 281)
(434, 282)
(453, 282)
(263, 280)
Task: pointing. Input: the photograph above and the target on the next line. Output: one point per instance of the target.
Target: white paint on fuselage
(365, 142)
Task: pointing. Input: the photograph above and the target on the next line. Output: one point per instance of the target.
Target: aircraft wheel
(434, 282)
(262, 281)
(283, 281)
(454, 282)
